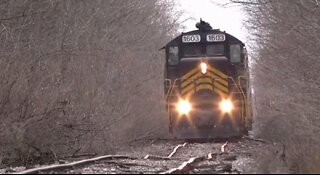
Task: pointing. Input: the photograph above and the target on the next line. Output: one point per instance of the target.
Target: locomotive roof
(177, 40)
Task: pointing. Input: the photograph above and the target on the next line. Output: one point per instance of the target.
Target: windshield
(192, 50)
(214, 50)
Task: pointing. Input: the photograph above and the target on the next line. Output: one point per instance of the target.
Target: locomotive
(207, 85)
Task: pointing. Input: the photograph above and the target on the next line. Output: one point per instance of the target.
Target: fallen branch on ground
(185, 167)
(151, 157)
(77, 163)
(176, 148)
(210, 156)
(223, 147)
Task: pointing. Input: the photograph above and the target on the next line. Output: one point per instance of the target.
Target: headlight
(203, 67)
(226, 106)
(183, 107)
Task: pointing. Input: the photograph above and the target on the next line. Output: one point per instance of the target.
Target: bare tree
(285, 55)
(80, 76)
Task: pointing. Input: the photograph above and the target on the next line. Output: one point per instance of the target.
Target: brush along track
(171, 157)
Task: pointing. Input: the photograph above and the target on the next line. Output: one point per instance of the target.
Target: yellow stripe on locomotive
(211, 79)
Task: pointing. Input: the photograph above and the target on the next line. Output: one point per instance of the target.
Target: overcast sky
(226, 19)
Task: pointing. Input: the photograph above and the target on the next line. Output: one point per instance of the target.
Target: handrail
(242, 95)
(169, 87)
(239, 77)
(170, 92)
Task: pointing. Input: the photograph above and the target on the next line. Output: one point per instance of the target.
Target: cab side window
(235, 53)
(173, 56)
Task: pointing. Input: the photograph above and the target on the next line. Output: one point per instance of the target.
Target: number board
(191, 38)
(216, 37)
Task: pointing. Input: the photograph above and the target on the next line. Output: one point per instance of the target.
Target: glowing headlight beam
(203, 67)
(226, 106)
(184, 107)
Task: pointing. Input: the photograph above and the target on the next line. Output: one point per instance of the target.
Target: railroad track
(164, 157)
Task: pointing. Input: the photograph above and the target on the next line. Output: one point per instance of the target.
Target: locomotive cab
(207, 84)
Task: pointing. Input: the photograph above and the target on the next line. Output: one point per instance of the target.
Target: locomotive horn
(202, 25)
